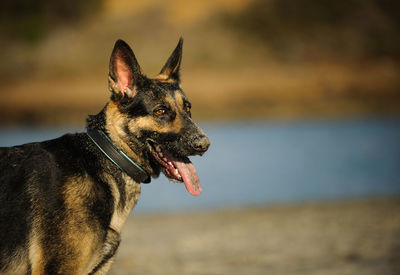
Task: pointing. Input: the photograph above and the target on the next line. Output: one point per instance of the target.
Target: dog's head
(150, 118)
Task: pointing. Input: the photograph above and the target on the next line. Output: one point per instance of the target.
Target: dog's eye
(187, 108)
(160, 111)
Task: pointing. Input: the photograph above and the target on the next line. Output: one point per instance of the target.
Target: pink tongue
(189, 176)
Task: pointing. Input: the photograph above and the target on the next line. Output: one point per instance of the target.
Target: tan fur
(150, 123)
(120, 215)
(106, 267)
(179, 99)
(114, 126)
(18, 266)
(36, 254)
(78, 236)
(35, 249)
(164, 78)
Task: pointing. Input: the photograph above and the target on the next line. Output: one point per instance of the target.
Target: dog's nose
(201, 144)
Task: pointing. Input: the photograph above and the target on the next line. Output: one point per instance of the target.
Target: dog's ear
(170, 71)
(124, 70)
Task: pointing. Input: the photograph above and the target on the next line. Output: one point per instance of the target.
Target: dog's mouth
(178, 169)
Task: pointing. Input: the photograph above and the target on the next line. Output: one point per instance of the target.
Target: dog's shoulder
(39, 162)
(46, 152)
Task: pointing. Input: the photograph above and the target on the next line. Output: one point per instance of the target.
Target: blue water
(270, 162)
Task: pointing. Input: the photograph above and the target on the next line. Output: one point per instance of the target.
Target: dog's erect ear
(170, 71)
(124, 70)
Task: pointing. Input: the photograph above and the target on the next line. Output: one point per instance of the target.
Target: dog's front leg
(107, 253)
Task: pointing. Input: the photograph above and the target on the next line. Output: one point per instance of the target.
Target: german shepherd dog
(63, 201)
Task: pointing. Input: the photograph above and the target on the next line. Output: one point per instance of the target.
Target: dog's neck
(111, 122)
(114, 127)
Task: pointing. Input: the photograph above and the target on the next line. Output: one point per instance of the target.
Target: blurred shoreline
(263, 92)
(343, 237)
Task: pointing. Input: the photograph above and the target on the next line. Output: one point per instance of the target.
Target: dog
(63, 201)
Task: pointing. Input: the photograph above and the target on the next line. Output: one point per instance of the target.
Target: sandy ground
(357, 237)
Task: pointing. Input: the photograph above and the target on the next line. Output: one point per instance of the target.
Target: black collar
(118, 157)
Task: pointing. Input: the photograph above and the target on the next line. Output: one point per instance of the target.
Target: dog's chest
(125, 198)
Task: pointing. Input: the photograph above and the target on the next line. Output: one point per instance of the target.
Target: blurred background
(301, 101)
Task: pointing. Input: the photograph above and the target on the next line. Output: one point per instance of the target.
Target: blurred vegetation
(29, 20)
(242, 58)
(355, 29)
